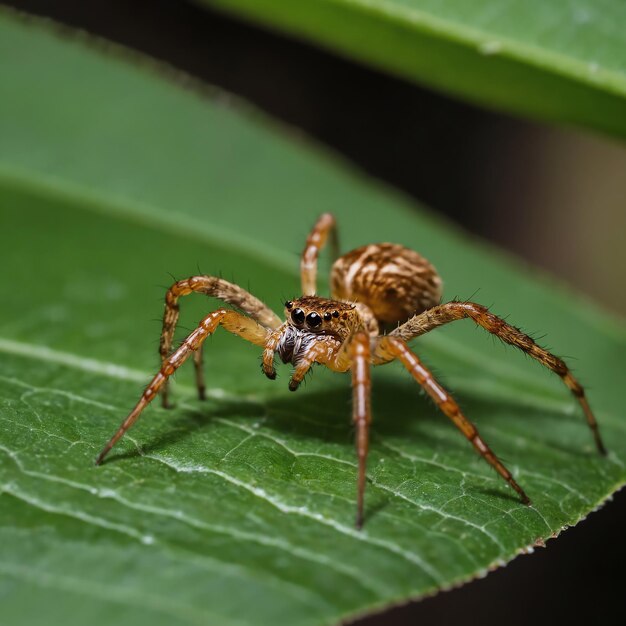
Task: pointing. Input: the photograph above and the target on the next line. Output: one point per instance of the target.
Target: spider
(373, 287)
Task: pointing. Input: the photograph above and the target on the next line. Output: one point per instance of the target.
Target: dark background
(554, 196)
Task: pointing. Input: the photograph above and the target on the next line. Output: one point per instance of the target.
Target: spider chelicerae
(373, 287)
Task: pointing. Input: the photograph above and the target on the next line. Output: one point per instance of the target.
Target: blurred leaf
(559, 61)
(240, 510)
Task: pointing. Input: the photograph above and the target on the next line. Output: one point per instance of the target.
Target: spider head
(320, 315)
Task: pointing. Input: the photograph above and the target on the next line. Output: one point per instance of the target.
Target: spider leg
(452, 311)
(232, 321)
(361, 410)
(267, 364)
(215, 288)
(390, 348)
(324, 226)
(354, 354)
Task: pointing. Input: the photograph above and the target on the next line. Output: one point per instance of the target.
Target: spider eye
(313, 320)
(327, 316)
(297, 315)
(288, 304)
(335, 313)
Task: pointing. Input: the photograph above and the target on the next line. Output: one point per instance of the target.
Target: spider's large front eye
(313, 320)
(297, 315)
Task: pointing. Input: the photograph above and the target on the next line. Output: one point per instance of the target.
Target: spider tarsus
(600, 444)
(270, 373)
(358, 524)
(293, 385)
(201, 393)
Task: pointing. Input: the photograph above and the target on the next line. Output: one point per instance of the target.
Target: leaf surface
(557, 61)
(240, 510)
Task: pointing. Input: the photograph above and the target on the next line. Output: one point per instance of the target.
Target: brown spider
(372, 286)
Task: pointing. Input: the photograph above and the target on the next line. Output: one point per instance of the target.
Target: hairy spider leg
(216, 288)
(452, 311)
(267, 363)
(361, 410)
(232, 321)
(354, 354)
(316, 240)
(391, 347)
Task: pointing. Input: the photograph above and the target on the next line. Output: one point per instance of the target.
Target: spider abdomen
(393, 281)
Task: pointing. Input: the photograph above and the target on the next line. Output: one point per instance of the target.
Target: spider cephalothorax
(322, 316)
(379, 285)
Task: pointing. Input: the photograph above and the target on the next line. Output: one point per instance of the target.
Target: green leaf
(240, 510)
(558, 61)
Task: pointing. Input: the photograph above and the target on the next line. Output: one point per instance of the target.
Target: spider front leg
(452, 311)
(324, 226)
(361, 410)
(217, 288)
(390, 348)
(232, 321)
(354, 354)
